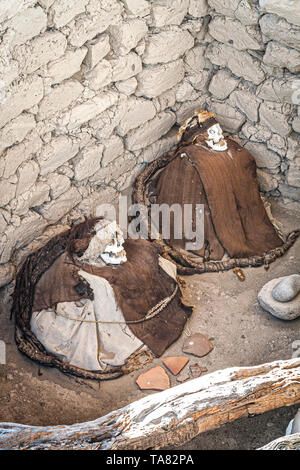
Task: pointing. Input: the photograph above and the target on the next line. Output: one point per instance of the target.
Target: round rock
(287, 289)
(283, 310)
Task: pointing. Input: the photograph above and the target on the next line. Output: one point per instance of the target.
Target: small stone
(127, 87)
(198, 345)
(168, 12)
(97, 49)
(26, 25)
(195, 370)
(296, 344)
(222, 84)
(153, 81)
(287, 289)
(273, 117)
(23, 95)
(100, 76)
(175, 364)
(7, 273)
(296, 349)
(59, 98)
(266, 181)
(296, 124)
(278, 55)
(198, 8)
(264, 157)
(231, 31)
(296, 354)
(40, 51)
(137, 7)
(166, 46)
(246, 102)
(230, 119)
(293, 175)
(288, 9)
(125, 67)
(150, 131)
(241, 63)
(185, 375)
(280, 30)
(283, 310)
(154, 379)
(66, 66)
(126, 36)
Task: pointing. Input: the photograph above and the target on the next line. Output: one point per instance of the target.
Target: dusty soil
(225, 309)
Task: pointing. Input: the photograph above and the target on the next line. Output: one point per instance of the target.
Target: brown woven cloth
(59, 282)
(139, 284)
(225, 182)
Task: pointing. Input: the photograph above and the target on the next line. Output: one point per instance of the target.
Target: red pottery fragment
(197, 345)
(175, 364)
(154, 379)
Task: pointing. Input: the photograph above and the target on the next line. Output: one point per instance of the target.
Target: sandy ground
(225, 309)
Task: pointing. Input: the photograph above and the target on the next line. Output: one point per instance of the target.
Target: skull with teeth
(106, 246)
(216, 139)
(202, 127)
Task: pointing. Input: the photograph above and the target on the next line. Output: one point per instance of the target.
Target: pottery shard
(198, 345)
(196, 370)
(154, 379)
(175, 364)
(185, 375)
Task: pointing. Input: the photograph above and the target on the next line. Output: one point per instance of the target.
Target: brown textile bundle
(191, 192)
(29, 275)
(60, 283)
(225, 182)
(139, 284)
(144, 192)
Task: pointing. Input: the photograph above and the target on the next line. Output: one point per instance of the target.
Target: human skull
(216, 139)
(106, 245)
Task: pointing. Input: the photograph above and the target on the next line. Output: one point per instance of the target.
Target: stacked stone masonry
(93, 90)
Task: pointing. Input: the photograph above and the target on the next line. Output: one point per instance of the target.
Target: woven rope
(159, 307)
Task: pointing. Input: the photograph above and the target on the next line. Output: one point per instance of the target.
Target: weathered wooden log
(174, 416)
(291, 442)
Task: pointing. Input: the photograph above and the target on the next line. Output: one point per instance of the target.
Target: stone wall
(92, 90)
(254, 56)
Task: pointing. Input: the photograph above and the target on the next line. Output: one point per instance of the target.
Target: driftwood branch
(291, 442)
(174, 416)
